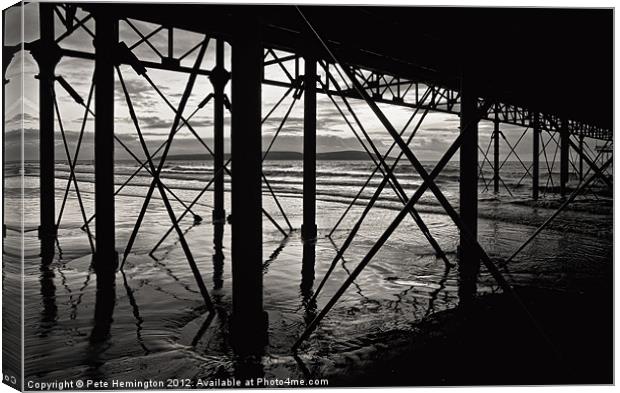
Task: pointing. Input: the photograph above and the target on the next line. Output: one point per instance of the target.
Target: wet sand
(161, 329)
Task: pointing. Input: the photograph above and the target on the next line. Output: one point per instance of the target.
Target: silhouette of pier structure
(480, 64)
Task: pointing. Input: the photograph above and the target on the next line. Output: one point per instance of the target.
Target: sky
(155, 118)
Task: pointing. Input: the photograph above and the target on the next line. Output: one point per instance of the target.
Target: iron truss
(382, 87)
(333, 79)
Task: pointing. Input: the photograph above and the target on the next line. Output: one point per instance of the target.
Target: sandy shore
(400, 310)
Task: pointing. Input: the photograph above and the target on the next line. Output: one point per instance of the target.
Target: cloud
(154, 122)
(293, 125)
(15, 121)
(143, 96)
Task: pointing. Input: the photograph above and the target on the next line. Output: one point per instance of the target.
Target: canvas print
(208, 196)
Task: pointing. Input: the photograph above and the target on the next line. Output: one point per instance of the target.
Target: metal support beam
(47, 58)
(428, 181)
(219, 78)
(469, 260)
(564, 146)
(509, 114)
(106, 38)
(308, 228)
(592, 163)
(496, 151)
(535, 155)
(558, 211)
(249, 321)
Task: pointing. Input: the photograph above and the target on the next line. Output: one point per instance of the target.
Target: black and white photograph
(243, 195)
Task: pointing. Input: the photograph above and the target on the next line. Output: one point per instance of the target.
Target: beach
(161, 329)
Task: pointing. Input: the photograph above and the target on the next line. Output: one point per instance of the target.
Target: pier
(539, 87)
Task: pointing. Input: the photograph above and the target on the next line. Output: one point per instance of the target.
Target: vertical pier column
(469, 261)
(106, 38)
(564, 146)
(47, 58)
(496, 150)
(249, 321)
(219, 78)
(535, 155)
(308, 228)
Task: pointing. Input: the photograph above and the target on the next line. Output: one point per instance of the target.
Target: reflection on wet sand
(158, 313)
(358, 289)
(307, 280)
(218, 255)
(441, 285)
(274, 254)
(136, 312)
(203, 328)
(49, 313)
(105, 300)
(100, 340)
(248, 367)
